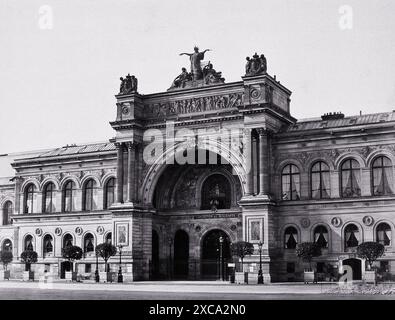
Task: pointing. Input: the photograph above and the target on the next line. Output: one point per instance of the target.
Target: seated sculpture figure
(181, 79)
(210, 75)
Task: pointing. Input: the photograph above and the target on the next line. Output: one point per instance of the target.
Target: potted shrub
(307, 251)
(241, 249)
(5, 258)
(28, 257)
(106, 251)
(370, 251)
(71, 254)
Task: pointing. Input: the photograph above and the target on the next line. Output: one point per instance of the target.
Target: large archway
(181, 255)
(216, 154)
(212, 267)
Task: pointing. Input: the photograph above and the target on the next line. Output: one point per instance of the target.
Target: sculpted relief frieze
(201, 104)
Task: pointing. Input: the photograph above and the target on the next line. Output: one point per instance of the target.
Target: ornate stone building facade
(200, 166)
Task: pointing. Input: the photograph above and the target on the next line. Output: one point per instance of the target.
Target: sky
(60, 61)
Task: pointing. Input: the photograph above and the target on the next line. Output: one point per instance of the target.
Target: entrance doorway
(155, 255)
(64, 266)
(181, 255)
(212, 267)
(356, 266)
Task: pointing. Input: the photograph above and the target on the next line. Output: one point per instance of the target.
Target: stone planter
(240, 277)
(107, 277)
(308, 276)
(252, 278)
(71, 276)
(370, 277)
(28, 275)
(5, 275)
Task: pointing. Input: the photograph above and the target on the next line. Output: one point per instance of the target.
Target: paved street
(170, 291)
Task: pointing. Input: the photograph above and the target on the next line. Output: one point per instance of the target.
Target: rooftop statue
(181, 79)
(196, 57)
(256, 65)
(128, 84)
(210, 75)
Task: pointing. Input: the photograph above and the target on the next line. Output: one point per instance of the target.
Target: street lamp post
(120, 276)
(97, 277)
(170, 242)
(221, 262)
(260, 275)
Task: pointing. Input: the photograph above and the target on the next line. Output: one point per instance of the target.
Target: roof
(311, 124)
(79, 149)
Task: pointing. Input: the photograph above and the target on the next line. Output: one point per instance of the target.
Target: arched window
(8, 210)
(30, 199)
(90, 196)
(109, 193)
(69, 197)
(48, 244)
(216, 192)
(383, 179)
(290, 183)
(7, 245)
(109, 238)
(290, 238)
(351, 236)
(383, 234)
(350, 179)
(29, 243)
(88, 243)
(49, 198)
(67, 240)
(321, 236)
(320, 181)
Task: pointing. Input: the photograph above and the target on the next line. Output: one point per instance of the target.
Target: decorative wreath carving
(78, 230)
(305, 222)
(336, 222)
(58, 231)
(367, 220)
(100, 230)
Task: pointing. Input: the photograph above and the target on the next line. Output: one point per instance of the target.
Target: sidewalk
(177, 286)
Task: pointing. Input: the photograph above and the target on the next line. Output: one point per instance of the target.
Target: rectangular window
(290, 267)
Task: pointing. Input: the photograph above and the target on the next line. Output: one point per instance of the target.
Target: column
(249, 168)
(255, 165)
(137, 170)
(119, 172)
(131, 171)
(263, 162)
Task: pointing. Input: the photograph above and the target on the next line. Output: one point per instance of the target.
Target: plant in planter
(6, 258)
(71, 254)
(28, 257)
(241, 249)
(307, 251)
(370, 251)
(106, 251)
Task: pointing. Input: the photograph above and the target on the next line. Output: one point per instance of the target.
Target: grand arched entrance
(212, 267)
(356, 266)
(181, 255)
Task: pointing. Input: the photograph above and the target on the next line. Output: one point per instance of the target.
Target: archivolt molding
(156, 169)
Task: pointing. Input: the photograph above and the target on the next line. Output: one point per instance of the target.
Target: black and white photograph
(223, 151)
